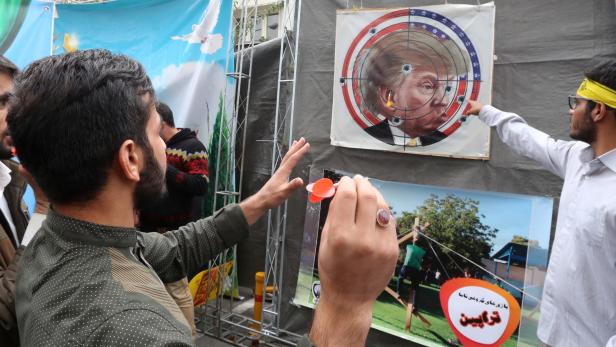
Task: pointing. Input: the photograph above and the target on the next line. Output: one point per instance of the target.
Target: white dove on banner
(202, 32)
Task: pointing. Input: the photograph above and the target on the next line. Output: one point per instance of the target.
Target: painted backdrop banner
(403, 78)
(25, 30)
(183, 45)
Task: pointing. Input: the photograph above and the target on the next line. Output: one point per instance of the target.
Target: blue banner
(25, 30)
(183, 45)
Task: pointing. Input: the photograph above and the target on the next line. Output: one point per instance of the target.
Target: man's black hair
(165, 113)
(70, 115)
(7, 67)
(604, 73)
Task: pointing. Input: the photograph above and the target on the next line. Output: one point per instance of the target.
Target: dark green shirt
(83, 284)
(414, 256)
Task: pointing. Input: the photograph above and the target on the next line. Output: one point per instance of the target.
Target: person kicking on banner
(579, 295)
(412, 270)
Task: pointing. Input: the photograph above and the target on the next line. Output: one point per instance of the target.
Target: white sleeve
(611, 342)
(33, 227)
(528, 141)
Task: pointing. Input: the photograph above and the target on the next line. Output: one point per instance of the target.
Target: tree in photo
(456, 223)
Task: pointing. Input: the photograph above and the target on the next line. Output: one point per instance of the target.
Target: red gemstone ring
(383, 217)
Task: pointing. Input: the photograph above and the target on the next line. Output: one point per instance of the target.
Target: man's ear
(129, 160)
(386, 99)
(599, 112)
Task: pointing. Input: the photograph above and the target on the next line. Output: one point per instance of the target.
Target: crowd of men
(94, 141)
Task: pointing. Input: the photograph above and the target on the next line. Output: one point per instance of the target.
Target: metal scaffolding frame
(283, 135)
(216, 317)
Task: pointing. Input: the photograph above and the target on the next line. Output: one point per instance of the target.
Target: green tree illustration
(224, 176)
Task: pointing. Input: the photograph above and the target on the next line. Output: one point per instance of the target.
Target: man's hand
(476, 107)
(357, 258)
(278, 188)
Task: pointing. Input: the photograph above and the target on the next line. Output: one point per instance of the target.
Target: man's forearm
(528, 141)
(253, 208)
(186, 251)
(340, 325)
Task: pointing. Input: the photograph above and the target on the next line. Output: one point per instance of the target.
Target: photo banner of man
(446, 234)
(403, 78)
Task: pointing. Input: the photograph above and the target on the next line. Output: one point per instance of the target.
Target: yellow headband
(597, 92)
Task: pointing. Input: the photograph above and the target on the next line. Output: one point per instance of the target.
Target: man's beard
(585, 130)
(5, 150)
(151, 186)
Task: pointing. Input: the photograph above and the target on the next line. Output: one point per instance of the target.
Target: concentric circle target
(411, 70)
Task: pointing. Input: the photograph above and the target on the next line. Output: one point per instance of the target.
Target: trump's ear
(386, 99)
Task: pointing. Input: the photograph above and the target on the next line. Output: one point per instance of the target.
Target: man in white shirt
(13, 215)
(578, 307)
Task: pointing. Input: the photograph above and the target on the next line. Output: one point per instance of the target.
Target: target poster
(403, 78)
(446, 234)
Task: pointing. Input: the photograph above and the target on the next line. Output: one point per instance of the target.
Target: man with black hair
(14, 227)
(186, 178)
(578, 307)
(92, 278)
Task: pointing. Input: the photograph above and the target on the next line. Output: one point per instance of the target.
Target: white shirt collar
(587, 155)
(609, 159)
(5, 176)
(5, 179)
(401, 138)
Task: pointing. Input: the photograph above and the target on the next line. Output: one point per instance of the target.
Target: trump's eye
(427, 85)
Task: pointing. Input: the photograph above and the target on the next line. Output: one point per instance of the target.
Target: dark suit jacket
(13, 193)
(382, 132)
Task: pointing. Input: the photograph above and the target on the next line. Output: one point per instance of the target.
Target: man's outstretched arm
(186, 251)
(357, 258)
(524, 139)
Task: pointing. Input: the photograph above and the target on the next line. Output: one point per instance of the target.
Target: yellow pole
(258, 307)
(257, 310)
